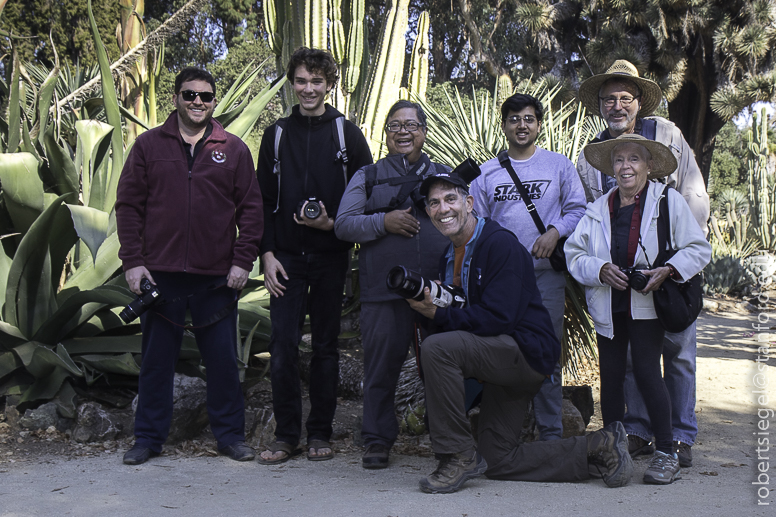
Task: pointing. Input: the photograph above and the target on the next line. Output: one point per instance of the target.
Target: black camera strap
(503, 159)
(214, 318)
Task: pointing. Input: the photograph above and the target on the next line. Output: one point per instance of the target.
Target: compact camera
(636, 279)
(409, 284)
(312, 210)
(150, 295)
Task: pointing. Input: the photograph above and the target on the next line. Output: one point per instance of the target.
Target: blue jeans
(548, 403)
(217, 343)
(315, 284)
(679, 373)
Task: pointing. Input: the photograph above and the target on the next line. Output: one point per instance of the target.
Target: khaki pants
(509, 384)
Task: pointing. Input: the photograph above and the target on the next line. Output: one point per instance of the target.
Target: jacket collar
(170, 127)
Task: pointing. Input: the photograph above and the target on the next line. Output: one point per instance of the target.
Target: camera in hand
(409, 284)
(150, 295)
(312, 210)
(636, 279)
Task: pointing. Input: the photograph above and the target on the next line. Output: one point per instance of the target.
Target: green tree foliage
(728, 167)
(68, 23)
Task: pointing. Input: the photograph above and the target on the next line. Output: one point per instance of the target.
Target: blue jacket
(503, 298)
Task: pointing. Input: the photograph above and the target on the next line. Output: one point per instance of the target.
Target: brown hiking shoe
(607, 449)
(684, 453)
(638, 446)
(453, 471)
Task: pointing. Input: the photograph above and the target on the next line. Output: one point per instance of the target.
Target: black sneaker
(607, 450)
(453, 471)
(663, 469)
(638, 446)
(238, 451)
(684, 453)
(138, 455)
(375, 456)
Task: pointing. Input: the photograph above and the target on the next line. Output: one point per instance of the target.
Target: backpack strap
(665, 249)
(279, 126)
(342, 154)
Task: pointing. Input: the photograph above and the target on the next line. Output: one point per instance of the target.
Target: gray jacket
(686, 179)
(379, 250)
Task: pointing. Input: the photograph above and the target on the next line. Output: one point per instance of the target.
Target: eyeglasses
(395, 127)
(190, 95)
(515, 119)
(625, 102)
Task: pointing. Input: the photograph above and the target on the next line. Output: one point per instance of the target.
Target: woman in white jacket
(612, 253)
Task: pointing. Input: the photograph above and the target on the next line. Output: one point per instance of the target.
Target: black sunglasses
(190, 95)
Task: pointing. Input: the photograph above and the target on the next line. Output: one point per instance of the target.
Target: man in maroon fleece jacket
(185, 190)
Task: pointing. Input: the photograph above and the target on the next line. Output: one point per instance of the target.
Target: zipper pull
(189, 174)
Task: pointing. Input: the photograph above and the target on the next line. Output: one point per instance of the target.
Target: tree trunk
(691, 109)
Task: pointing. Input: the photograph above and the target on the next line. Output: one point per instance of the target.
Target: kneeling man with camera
(503, 337)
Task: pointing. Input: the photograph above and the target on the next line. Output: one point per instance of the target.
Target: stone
(11, 416)
(582, 398)
(573, 423)
(94, 423)
(43, 417)
(260, 428)
(189, 408)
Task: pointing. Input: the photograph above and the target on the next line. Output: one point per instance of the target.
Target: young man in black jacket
(503, 337)
(305, 162)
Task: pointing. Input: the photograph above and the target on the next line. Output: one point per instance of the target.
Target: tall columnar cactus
(385, 73)
(130, 32)
(762, 185)
(418, 80)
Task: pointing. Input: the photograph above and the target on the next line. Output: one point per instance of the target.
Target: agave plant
(475, 131)
(59, 265)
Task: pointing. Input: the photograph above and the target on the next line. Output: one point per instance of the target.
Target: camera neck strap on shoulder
(506, 163)
(338, 133)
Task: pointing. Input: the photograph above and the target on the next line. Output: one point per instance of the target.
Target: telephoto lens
(150, 295)
(409, 284)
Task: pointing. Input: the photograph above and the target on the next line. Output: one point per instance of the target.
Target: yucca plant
(59, 264)
(475, 131)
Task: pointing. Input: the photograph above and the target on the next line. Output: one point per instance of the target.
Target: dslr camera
(150, 295)
(312, 210)
(409, 284)
(636, 279)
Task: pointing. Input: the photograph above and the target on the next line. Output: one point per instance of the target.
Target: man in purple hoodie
(186, 188)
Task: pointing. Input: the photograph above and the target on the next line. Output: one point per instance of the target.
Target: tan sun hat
(651, 94)
(599, 155)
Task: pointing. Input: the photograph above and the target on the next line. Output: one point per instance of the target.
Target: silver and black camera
(150, 295)
(636, 279)
(312, 210)
(409, 284)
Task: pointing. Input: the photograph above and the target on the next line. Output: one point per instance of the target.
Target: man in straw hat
(626, 101)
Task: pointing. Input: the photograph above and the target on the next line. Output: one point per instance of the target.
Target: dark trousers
(387, 331)
(162, 336)
(509, 384)
(646, 344)
(315, 284)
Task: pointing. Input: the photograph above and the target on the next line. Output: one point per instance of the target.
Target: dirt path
(720, 482)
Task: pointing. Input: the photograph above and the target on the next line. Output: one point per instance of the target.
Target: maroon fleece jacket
(170, 218)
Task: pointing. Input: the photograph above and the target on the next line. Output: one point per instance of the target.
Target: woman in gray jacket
(612, 253)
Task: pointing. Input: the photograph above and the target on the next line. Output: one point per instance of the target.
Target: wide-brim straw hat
(651, 94)
(599, 155)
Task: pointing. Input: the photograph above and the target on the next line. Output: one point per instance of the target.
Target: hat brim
(651, 94)
(599, 155)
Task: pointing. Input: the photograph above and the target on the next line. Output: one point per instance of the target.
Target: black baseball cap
(461, 176)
